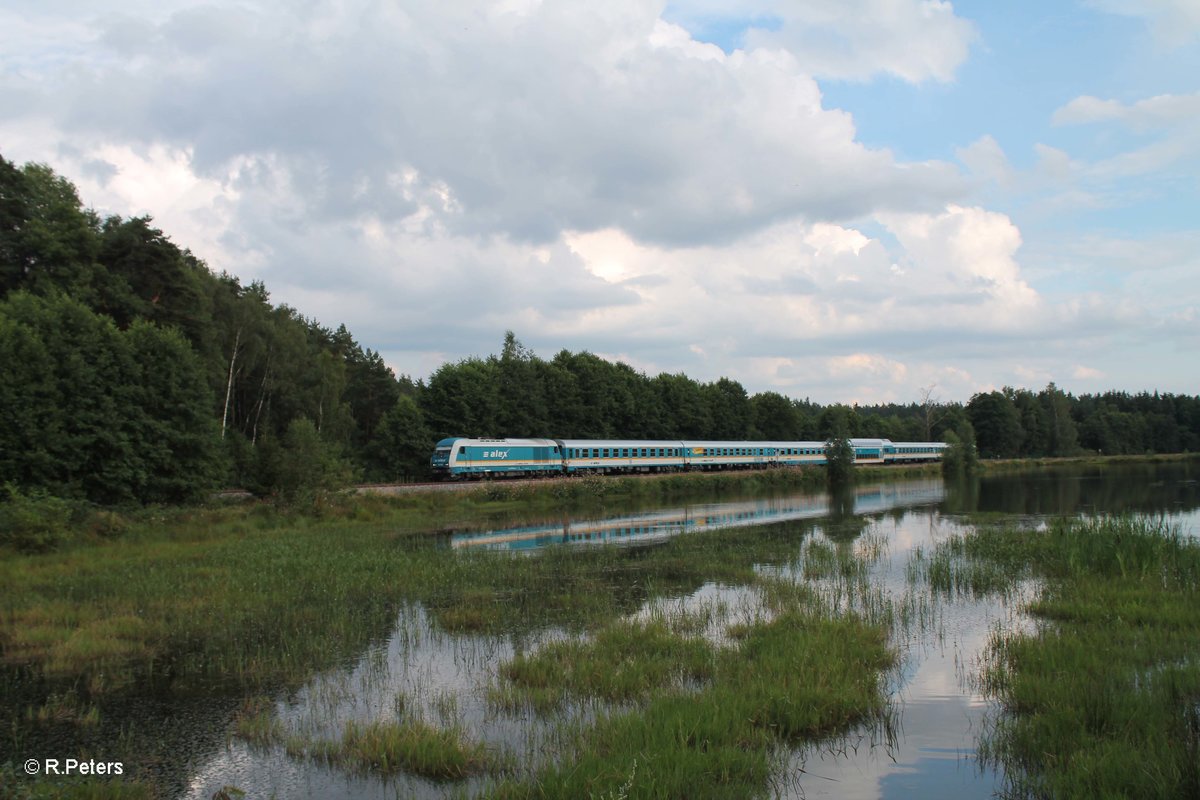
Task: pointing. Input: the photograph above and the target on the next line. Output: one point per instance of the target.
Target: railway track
(402, 488)
(443, 486)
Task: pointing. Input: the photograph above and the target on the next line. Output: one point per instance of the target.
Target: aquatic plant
(1102, 698)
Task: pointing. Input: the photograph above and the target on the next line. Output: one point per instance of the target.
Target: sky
(842, 200)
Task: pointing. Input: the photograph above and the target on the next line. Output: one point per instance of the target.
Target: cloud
(870, 365)
(1154, 136)
(590, 176)
(530, 123)
(1174, 22)
(969, 249)
(1161, 111)
(986, 159)
(914, 40)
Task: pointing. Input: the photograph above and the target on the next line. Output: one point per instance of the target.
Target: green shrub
(35, 522)
(839, 461)
(302, 469)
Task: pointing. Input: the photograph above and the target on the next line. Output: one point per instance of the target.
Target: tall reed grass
(1103, 698)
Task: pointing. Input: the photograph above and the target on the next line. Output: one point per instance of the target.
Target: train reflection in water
(654, 526)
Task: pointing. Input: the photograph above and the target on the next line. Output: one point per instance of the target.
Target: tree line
(130, 372)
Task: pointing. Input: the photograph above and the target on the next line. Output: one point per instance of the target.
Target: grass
(1103, 698)
(255, 723)
(1005, 464)
(233, 592)
(802, 675)
(624, 662)
(382, 747)
(389, 748)
(247, 599)
(15, 786)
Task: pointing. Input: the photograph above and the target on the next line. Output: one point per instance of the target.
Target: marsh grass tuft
(691, 717)
(256, 724)
(800, 676)
(623, 662)
(64, 708)
(1102, 697)
(389, 748)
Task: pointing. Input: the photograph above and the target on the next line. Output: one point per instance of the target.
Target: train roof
(687, 443)
(681, 443)
(746, 443)
(502, 442)
(622, 443)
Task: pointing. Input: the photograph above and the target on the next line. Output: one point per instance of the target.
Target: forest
(132, 373)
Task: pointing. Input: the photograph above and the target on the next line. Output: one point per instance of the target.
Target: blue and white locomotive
(460, 457)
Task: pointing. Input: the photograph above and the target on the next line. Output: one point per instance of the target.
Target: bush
(35, 522)
(961, 457)
(302, 469)
(839, 461)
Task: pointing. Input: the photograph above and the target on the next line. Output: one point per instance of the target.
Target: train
(460, 458)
